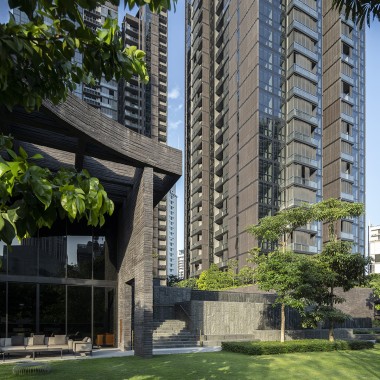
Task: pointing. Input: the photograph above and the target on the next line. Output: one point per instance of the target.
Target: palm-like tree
(359, 11)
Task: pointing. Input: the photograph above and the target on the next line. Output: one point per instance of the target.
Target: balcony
(348, 40)
(304, 29)
(303, 138)
(197, 116)
(347, 79)
(299, 158)
(197, 88)
(197, 244)
(347, 236)
(348, 98)
(197, 130)
(196, 158)
(347, 118)
(197, 172)
(307, 6)
(347, 157)
(302, 71)
(303, 248)
(311, 228)
(347, 59)
(196, 228)
(294, 203)
(347, 177)
(219, 215)
(303, 116)
(303, 94)
(219, 118)
(219, 151)
(347, 197)
(347, 137)
(220, 248)
(92, 101)
(218, 202)
(196, 186)
(196, 143)
(196, 259)
(220, 231)
(299, 181)
(219, 134)
(218, 184)
(219, 166)
(303, 50)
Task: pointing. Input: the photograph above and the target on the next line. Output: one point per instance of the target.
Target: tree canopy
(37, 62)
(359, 11)
(32, 197)
(37, 58)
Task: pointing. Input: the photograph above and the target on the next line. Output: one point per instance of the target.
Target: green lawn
(342, 365)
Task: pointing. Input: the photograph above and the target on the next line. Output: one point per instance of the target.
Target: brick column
(135, 265)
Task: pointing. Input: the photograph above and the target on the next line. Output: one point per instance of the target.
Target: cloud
(179, 107)
(175, 124)
(174, 93)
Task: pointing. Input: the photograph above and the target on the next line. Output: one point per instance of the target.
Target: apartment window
(346, 49)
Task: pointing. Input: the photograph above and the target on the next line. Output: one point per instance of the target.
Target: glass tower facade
(274, 119)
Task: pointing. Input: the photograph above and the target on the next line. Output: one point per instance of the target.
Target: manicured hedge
(366, 331)
(306, 345)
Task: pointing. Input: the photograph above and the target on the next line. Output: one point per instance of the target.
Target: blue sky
(176, 84)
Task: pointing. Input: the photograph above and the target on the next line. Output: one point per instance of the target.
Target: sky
(176, 84)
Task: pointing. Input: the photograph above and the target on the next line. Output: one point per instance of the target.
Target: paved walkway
(112, 353)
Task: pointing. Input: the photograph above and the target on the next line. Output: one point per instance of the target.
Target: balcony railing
(302, 159)
(303, 248)
(295, 135)
(303, 116)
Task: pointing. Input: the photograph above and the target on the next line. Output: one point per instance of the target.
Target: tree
(278, 228)
(342, 269)
(37, 63)
(37, 58)
(32, 197)
(215, 279)
(189, 283)
(172, 280)
(292, 276)
(359, 11)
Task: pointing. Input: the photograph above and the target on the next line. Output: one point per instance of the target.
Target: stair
(173, 333)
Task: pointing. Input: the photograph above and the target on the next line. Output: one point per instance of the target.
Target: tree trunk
(282, 323)
(331, 324)
(331, 332)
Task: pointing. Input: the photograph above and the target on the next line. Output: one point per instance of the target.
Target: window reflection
(21, 309)
(79, 256)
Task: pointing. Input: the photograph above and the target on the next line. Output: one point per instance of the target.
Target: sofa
(36, 343)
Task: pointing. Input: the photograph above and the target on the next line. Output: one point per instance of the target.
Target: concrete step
(174, 339)
(176, 345)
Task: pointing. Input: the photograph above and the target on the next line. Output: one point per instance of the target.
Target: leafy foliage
(32, 197)
(172, 280)
(293, 277)
(214, 279)
(359, 11)
(37, 59)
(307, 345)
(374, 283)
(188, 283)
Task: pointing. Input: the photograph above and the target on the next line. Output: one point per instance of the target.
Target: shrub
(307, 345)
(366, 331)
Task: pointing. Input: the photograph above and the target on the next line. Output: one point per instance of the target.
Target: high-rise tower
(260, 136)
(143, 107)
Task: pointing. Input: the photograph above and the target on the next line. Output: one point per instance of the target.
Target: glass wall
(60, 284)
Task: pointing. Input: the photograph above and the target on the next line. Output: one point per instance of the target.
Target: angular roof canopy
(74, 134)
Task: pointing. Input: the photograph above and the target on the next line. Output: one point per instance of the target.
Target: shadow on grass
(221, 365)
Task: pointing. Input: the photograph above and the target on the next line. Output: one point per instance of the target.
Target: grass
(220, 365)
